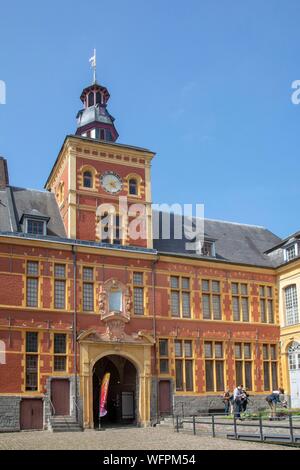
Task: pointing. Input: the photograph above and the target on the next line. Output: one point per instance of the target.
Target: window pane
(31, 372)
(189, 376)
(138, 279)
(263, 311)
(59, 343)
(208, 349)
(164, 366)
(179, 374)
(239, 372)
(206, 306)
(216, 286)
(33, 268)
(88, 274)
(32, 292)
(60, 363)
(178, 348)
(238, 350)
(273, 351)
(60, 270)
(265, 351)
(270, 311)
(234, 288)
(175, 282)
(205, 285)
(274, 376)
(244, 289)
(245, 308)
(236, 308)
(269, 292)
(266, 376)
(88, 297)
(247, 351)
(186, 310)
(163, 347)
(209, 376)
(31, 342)
(175, 303)
(59, 294)
(218, 350)
(115, 300)
(262, 291)
(220, 376)
(138, 300)
(216, 307)
(185, 283)
(291, 305)
(35, 226)
(188, 349)
(248, 375)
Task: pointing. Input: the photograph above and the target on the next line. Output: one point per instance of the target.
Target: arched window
(91, 99)
(98, 98)
(133, 186)
(87, 179)
(291, 305)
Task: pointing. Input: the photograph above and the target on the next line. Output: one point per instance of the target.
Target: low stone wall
(9, 413)
(204, 404)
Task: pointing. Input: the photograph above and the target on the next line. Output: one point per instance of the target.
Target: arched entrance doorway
(294, 372)
(122, 395)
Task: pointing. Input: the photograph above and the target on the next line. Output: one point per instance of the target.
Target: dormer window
(208, 249)
(37, 227)
(291, 252)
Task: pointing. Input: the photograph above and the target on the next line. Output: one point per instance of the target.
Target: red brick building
(174, 328)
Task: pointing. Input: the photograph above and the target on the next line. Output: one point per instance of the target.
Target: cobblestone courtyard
(123, 439)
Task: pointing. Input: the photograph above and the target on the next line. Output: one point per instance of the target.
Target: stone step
(67, 429)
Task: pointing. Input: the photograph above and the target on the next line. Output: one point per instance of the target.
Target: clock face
(111, 182)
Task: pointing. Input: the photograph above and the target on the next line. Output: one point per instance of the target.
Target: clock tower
(103, 188)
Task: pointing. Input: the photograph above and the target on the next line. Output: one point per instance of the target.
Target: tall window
(211, 300)
(240, 301)
(60, 352)
(117, 235)
(180, 297)
(32, 361)
(32, 283)
(133, 186)
(88, 289)
(184, 365)
(243, 364)
(266, 304)
(214, 366)
(138, 293)
(291, 305)
(60, 286)
(87, 179)
(270, 367)
(163, 356)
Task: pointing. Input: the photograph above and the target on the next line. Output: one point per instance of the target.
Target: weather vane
(93, 62)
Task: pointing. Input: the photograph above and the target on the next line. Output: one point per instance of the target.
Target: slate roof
(234, 242)
(15, 202)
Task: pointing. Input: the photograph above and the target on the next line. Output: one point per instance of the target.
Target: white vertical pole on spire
(93, 62)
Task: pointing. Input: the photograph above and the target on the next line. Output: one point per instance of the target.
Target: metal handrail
(52, 406)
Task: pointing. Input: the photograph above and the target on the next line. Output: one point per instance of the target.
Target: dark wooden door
(164, 397)
(60, 396)
(31, 413)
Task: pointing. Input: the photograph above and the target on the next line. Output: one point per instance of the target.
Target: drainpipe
(154, 332)
(74, 254)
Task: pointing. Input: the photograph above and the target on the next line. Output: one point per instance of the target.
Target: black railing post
(261, 428)
(235, 427)
(291, 428)
(182, 409)
(213, 425)
(177, 423)
(194, 425)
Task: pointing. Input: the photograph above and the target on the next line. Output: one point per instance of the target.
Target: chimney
(4, 180)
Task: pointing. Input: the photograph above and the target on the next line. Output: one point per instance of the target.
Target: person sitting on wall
(276, 397)
(227, 397)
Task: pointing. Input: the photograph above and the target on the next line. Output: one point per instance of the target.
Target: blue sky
(205, 83)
